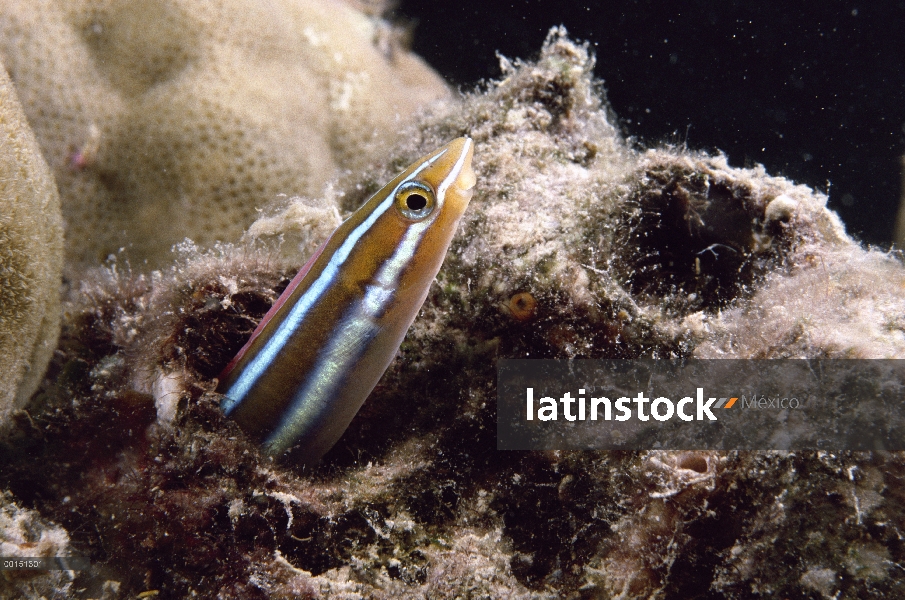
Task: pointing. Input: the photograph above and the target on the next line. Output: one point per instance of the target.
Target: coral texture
(168, 119)
(575, 245)
(31, 255)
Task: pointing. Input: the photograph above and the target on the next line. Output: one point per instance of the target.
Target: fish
(317, 354)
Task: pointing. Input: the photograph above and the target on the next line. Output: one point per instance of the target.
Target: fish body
(317, 354)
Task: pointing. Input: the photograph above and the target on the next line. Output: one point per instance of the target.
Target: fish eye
(415, 200)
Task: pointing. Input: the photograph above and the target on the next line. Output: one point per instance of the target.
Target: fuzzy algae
(415, 501)
(24, 534)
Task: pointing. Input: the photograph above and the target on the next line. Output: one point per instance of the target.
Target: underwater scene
(267, 269)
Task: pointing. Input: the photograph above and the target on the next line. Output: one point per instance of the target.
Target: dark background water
(814, 91)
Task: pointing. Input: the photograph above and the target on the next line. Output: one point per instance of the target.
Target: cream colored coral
(166, 119)
(31, 253)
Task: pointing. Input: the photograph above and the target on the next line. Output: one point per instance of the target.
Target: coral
(31, 254)
(169, 119)
(623, 253)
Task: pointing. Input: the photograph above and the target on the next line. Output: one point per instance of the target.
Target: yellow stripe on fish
(323, 346)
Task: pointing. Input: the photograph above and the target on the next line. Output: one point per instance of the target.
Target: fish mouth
(467, 177)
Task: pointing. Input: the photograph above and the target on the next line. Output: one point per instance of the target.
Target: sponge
(167, 119)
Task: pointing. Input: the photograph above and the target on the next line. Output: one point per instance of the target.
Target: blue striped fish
(320, 350)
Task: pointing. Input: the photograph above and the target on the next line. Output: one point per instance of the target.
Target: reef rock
(24, 534)
(31, 255)
(167, 119)
(577, 244)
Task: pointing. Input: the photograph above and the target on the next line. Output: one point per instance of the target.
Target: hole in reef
(693, 241)
(693, 462)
